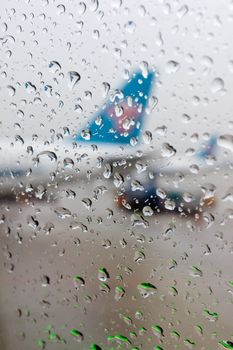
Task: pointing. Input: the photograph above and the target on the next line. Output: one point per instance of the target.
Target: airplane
(112, 145)
(111, 138)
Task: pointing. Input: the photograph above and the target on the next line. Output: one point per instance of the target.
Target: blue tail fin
(209, 149)
(121, 118)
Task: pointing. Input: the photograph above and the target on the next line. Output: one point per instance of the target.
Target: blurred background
(116, 174)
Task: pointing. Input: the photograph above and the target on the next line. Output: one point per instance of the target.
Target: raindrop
(45, 281)
(103, 274)
(185, 118)
(167, 150)
(86, 134)
(157, 330)
(78, 335)
(130, 27)
(51, 155)
(11, 90)
(54, 66)
(106, 87)
(217, 85)
(144, 68)
(119, 293)
(107, 171)
(153, 101)
(147, 211)
(61, 9)
(226, 141)
(81, 8)
(139, 256)
(120, 339)
(40, 191)
(118, 180)
(226, 344)
(183, 10)
(169, 204)
(87, 203)
(136, 186)
(94, 4)
(146, 289)
(210, 315)
(62, 213)
(172, 67)
(147, 137)
(73, 79)
(78, 282)
(138, 220)
(196, 272)
(68, 163)
(95, 347)
(30, 87)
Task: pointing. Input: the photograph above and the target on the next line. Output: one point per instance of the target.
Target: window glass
(116, 174)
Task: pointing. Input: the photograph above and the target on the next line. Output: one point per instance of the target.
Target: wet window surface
(116, 193)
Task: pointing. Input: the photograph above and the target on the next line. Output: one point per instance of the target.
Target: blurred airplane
(110, 145)
(110, 138)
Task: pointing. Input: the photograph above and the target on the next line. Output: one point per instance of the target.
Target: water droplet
(73, 79)
(62, 212)
(138, 220)
(173, 291)
(183, 10)
(45, 281)
(226, 344)
(147, 137)
(196, 272)
(119, 293)
(147, 211)
(78, 282)
(199, 329)
(94, 4)
(51, 155)
(146, 289)
(119, 339)
(169, 204)
(144, 66)
(152, 103)
(68, 163)
(189, 343)
(136, 186)
(226, 141)
(103, 274)
(74, 225)
(61, 9)
(106, 87)
(11, 90)
(95, 347)
(118, 180)
(139, 256)
(185, 118)
(217, 85)
(172, 67)
(81, 8)
(157, 330)
(130, 27)
(107, 171)
(87, 203)
(54, 66)
(161, 193)
(78, 335)
(167, 150)
(30, 87)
